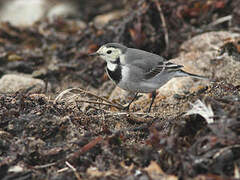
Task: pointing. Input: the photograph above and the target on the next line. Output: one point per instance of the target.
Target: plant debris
(69, 130)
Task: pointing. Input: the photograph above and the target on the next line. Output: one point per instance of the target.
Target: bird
(139, 71)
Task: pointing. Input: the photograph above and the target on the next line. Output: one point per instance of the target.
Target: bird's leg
(154, 94)
(128, 106)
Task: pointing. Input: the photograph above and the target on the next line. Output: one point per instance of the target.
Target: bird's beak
(94, 54)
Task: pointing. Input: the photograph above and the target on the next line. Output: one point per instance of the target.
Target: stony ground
(61, 117)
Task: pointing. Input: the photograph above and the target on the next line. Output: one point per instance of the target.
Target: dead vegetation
(80, 134)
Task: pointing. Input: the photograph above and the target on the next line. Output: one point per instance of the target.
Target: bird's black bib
(115, 75)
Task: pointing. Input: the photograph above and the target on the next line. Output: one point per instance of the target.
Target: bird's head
(111, 52)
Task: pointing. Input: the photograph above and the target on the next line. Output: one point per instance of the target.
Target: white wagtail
(139, 71)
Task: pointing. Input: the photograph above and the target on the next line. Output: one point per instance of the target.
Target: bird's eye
(109, 52)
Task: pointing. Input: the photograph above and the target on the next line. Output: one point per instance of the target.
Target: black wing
(161, 67)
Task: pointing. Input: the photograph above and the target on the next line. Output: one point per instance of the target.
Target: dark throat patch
(115, 75)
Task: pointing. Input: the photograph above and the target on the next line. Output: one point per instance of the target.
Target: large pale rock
(27, 12)
(209, 41)
(12, 83)
(20, 12)
(201, 55)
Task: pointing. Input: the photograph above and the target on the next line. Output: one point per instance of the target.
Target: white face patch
(110, 54)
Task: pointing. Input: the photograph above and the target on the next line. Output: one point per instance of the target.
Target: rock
(209, 41)
(203, 57)
(199, 55)
(27, 12)
(12, 83)
(22, 13)
(103, 19)
(63, 9)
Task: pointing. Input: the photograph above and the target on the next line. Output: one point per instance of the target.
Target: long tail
(181, 73)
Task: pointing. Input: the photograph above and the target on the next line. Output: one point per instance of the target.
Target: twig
(85, 148)
(221, 20)
(74, 170)
(110, 113)
(102, 103)
(94, 95)
(62, 170)
(130, 113)
(59, 97)
(44, 166)
(100, 109)
(164, 25)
